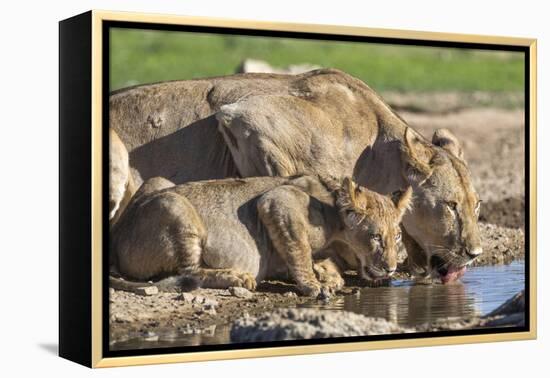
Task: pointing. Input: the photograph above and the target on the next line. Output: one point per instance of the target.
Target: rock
(514, 305)
(290, 294)
(210, 302)
(122, 318)
(151, 336)
(147, 290)
(293, 324)
(199, 299)
(209, 309)
(254, 65)
(111, 291)
(512, 320)
(186, 297)
(240, 292)
(145, 316)
(510, 314)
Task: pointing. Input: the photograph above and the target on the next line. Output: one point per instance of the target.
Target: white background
(29, 185)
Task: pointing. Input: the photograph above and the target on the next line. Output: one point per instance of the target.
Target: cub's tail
(178, 284)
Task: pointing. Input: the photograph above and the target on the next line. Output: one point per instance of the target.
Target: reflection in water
(166, 338)
(481, 290)
(409, 305)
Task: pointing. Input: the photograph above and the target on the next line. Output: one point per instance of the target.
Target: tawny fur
(121, 183)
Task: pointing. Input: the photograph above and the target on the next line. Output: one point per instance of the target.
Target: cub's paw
(248, 281)
(239, 279)
(328, 276)
(334, 282)
(310, 289)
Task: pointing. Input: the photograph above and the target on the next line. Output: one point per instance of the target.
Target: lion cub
(237, 232)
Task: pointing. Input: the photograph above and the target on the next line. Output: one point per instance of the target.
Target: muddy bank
(133, 315)
(501, 245)
(508, 212)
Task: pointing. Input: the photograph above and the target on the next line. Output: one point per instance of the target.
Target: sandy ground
(494, 148)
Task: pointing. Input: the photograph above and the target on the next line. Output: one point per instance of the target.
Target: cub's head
(371, 227)
(444, 213)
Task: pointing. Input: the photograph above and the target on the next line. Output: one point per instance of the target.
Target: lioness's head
(371, 227)
(445, 209)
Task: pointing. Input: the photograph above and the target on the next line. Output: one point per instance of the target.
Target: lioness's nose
(474, 252)
(389, 271)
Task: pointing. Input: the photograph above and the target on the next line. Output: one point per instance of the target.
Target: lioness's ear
(446, 140)
(402, 200)
(416, 156)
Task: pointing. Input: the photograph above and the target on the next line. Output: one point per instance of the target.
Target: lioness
(237, 232)
(320, 122)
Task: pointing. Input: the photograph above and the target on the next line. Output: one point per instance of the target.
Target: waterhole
(481, 290)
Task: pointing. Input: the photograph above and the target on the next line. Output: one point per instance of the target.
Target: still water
(481, 290)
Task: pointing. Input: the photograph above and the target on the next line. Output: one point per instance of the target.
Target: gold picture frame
(90, 329)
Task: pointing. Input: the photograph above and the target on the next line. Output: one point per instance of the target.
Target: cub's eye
(376, 237)
(398, 236)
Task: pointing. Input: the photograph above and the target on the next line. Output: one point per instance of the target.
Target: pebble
(145, 316)
(240, 292)
(210, 302)
(290, 294)
(186, 297)
(199, 299)
(151, 336)
(209, 309)
(147, 290)
(122, 318)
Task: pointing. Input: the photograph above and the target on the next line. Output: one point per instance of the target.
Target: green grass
(139, 56)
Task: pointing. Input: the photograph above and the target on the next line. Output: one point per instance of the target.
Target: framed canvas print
(235, 189)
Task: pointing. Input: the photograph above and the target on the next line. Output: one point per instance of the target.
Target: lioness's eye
(376, 237)
(452, 205)
(398, 236)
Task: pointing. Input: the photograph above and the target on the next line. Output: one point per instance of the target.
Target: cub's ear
(402, 200)
(416, 155)
(357, 198)
(349, 186)
(446, 140)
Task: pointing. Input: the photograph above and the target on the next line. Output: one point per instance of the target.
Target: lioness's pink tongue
(453, 274)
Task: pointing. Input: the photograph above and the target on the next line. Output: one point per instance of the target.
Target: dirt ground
(493, 141)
